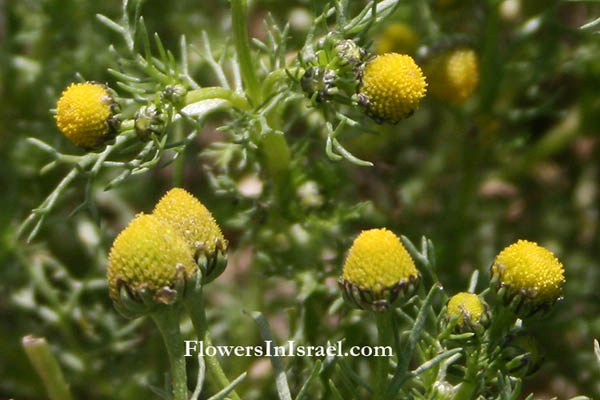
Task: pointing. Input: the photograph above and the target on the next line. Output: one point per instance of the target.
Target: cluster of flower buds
(332, 68)
(389, 87)
(161, 257)
(87, 114)
(379, 271)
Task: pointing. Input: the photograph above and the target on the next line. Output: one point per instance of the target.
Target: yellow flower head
(378, 267)
(531, 271)
(396, 37)
(190, 219)
(83, 112)
(453, 75)
(467, 307)
(148, 255)
(391, 88)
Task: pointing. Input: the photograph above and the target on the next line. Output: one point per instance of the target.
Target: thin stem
(242, 48)
(47, 367)
(179, 163)
(384, 329)
(491, 70)
(277, 156)
(502, 320)
(195, 308)
(469, 383)
(167, 320)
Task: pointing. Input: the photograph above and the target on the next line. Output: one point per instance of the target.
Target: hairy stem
(167, 320)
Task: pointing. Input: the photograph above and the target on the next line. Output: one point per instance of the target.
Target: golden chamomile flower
(188, 216)
(531, 272)
(397, 37)
(391, 87)
(148, 256)
(378, 270)
(468, 307)
(453, 75)
(192, 220)
(84, 113)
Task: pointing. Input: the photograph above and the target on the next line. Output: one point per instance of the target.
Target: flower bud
(149, 120)
(188, 217)
(85, 114)
(470, 311)
(378, 271)
(453, 75)
(318, 80)
(391, 87)
(528, 278)
(175, 94)
(349, 52)
(149, 264)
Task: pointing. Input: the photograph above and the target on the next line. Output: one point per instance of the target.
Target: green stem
(216, 92)
(47, 367)
(384, 330)
(242, 48)
(501, 321)
(167, 320)
(468, 384)
(195, 307)
(491, 71)
(277, 156)
(179, 165)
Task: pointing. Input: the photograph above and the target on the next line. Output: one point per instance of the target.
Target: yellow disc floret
(191, 219)
(378, 260)
(392, 86)
(453, 75)
(531, 270)
(467, 307)
(398, 38)
(83, 112)
(147, 255)
(378, 271)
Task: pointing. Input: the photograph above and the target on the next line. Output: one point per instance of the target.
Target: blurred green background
(519, 160)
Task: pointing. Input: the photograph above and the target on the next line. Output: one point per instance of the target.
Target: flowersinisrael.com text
(197, 347)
